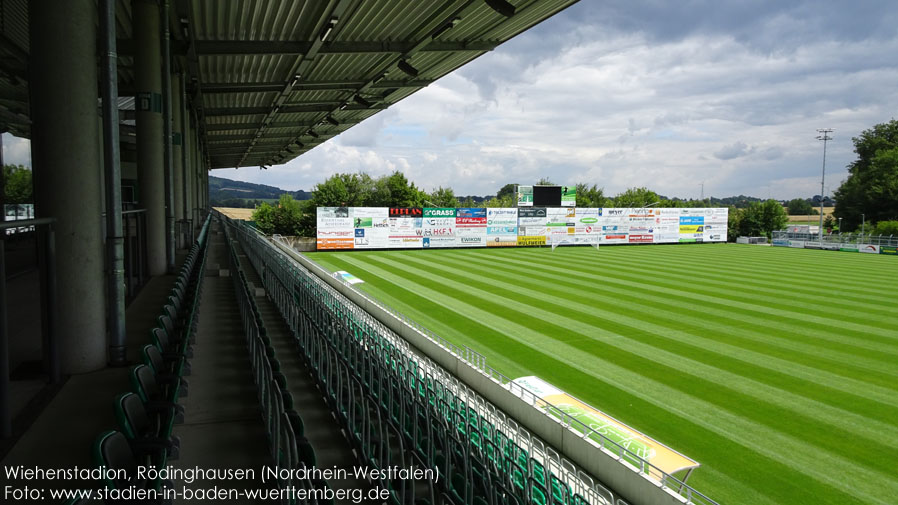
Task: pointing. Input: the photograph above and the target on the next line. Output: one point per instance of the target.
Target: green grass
(775, 368)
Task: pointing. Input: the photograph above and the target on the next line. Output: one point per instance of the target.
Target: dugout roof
(272, 79)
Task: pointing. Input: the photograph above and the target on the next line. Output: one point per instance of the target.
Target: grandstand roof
(271, 79)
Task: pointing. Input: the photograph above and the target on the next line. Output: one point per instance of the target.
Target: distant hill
(227, 193)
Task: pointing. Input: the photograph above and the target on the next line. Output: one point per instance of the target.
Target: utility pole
(703, 191)
(824, 136)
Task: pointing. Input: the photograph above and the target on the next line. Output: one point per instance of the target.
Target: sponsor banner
(470, 236)
(501, 217)
(690, 240)
(438, 231)
(691, 228)
(436, 242)
(642, 212)
(333, 212)
(692, 220)
(667, 238)
(532, 230)
(641, 239)
(834, 247)
(614, 238)
(781, 242)
(444, 212)
(525, 196)
(406, 232)
(614, 213)
(406, 212)
(533, 212)
(335, 243)
(715, 238)
(336, 233)
(502, 241)
(372, 227)
(568, 196)
(470, 217)
(812, 244)
(868, 248)
(556, 216)
(892, 251)
(530, 240)
(848, 248)
(797, 244)
(502, 230)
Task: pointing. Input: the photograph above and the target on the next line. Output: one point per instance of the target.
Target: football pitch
(775, 368)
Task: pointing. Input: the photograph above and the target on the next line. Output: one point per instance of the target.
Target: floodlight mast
(824, 136)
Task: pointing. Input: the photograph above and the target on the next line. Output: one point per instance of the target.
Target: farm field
(775, 368)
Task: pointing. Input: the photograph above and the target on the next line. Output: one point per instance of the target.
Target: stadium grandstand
(153, 350)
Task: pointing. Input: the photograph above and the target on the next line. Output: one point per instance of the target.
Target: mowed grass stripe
(803, 457)
(805, 281)
(591, 321)
(701, 293)
(764, 293)
(791, 346)
(803, 268)
(645, 291)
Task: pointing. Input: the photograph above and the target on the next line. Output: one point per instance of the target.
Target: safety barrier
(401, 408)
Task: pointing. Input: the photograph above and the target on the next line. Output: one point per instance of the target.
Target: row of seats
(284, 425)
(401, 409)
(147, 414)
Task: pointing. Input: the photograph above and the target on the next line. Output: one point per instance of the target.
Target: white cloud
(615, 95)
(16, 151)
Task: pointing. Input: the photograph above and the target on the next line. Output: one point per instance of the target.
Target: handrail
(478, 361)
(5, 225)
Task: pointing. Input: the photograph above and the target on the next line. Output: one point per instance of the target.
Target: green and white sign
(525, 196)
(568, 196)
(439, 212)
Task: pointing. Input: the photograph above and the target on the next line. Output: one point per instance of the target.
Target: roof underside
(271, 79)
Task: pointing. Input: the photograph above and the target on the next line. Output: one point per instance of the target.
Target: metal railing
(278, 268)
(478, 361)
(839, 238)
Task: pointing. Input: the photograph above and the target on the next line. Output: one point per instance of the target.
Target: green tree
(885, 228)
(17, 179)
(545, 181)
(344, 190)
(734, 221)
(801, 207)
(443, 197)
(283, 219)
(829, 222)
(773, 217)
(750, 220)
(591, 196)
(507, 190)
(636, 197)
(872, 184)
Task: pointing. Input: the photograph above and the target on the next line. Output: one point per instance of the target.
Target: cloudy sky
(624, 93)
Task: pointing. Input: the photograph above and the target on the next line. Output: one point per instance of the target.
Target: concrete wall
(621, 478)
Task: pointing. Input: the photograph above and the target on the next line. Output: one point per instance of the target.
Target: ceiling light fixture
(328, 28)
(448, 26)
(295, 80)
(502, 7)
